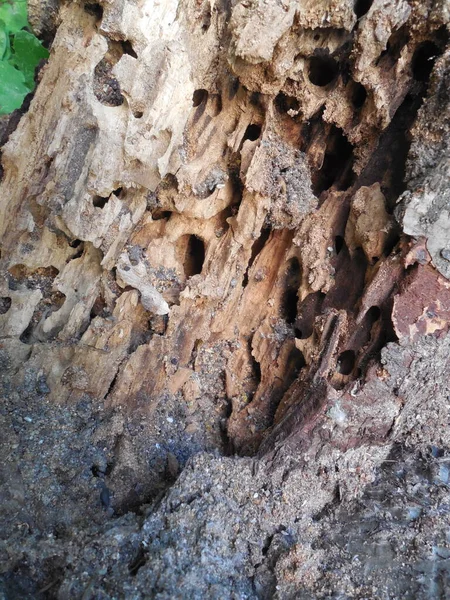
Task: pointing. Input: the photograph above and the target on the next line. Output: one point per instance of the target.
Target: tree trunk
(225, 302)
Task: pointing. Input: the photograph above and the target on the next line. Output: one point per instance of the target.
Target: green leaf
(20, 53)
(12, 88)
(27, 52)
(14, 14)
(4, 41)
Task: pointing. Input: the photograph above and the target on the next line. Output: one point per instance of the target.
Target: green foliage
(20, 53)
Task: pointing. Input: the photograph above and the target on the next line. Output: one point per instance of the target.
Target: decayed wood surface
(210, 225)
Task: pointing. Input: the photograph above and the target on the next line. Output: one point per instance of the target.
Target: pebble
(105, 497)
(41, 385)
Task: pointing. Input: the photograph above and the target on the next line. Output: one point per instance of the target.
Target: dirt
(285, 525)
